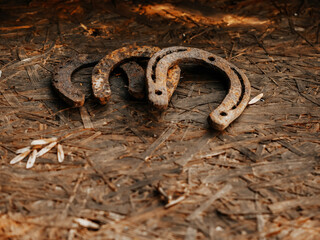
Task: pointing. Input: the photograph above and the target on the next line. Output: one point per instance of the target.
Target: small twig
(192, 151)
(163, 137)
(274, 81)
(30, 60)
(201, 33)
(175, 201)
(87, 123)
(101, 174)
(74, 192)
(182, 19)
(260, 43)
(223, 191)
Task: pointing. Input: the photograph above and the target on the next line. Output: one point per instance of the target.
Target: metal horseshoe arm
(72, 94)
(62, 79)
(101, 72)
(239, 86)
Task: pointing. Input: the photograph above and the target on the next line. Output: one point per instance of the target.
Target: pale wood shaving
(32, 159)
(46, 149)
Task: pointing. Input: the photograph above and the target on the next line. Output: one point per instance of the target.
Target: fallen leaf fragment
(43, 141)
(32, 159)
(46, 149)
(255, 99)
(20, 157)
(60, 153)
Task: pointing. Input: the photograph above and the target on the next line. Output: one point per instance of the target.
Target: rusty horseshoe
(74, 97)
(62, 78)
(102, 71)
(239, 86)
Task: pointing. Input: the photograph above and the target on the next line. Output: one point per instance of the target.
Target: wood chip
(288, 204)
(89, 139)
(9, 95)
(191, 233)
(87, 123)
(223, 191)
(163, 137)
(195, 148)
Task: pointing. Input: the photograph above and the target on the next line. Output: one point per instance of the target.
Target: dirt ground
(131, 172)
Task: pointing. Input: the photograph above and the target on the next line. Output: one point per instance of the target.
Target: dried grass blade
(46, 149)
(20, 157)
(32, 159)
(60, 153)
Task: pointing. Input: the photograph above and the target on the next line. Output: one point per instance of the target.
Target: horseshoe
(73, 96)
(233, 104)
(62, 79)
(102, 71)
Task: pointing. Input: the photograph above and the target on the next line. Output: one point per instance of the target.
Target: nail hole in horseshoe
(211, 59)
(158, 92)
(234, 107)
(223, 114)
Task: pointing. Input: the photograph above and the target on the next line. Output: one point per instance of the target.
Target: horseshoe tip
(216, 124)
(158, 103)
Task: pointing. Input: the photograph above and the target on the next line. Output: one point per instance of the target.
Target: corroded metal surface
(73, 95)
(62, 78)
(239, 86)
(102, 71)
